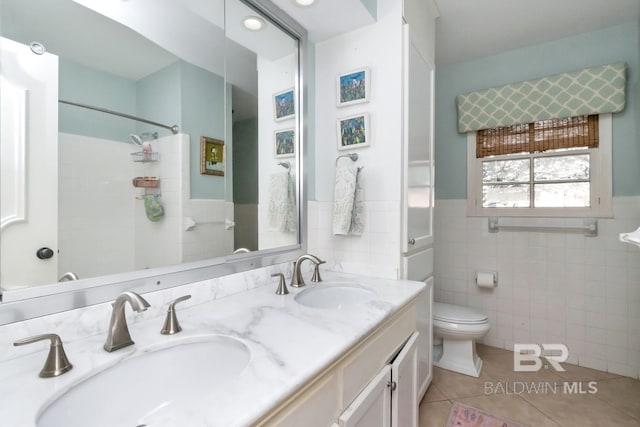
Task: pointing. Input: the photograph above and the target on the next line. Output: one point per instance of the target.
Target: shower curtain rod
(173, 129)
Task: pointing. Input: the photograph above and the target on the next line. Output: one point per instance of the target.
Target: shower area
(113, 165)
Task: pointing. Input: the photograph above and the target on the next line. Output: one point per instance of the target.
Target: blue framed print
(353, 132)
(284, 105)
(353, 87)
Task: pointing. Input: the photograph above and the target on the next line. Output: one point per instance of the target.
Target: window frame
(601, 180)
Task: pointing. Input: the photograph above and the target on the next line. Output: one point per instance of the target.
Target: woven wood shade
(536, 137)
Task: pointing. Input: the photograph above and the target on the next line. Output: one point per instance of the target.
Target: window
(559, 167)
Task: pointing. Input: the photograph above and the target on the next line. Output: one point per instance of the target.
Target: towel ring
(352, 156)
(285, 165)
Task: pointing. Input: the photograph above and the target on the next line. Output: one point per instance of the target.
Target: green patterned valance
(594, 90)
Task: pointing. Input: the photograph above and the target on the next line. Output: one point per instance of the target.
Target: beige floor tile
(433, 394)
(579, 373)
(511, 407)
(622, 393)
(534, 398)
(454, 385)
(484, 350)
(573, 410)
(500, 367)
(434, 414)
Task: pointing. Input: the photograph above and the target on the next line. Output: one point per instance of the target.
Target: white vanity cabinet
(356, 389)
(390, 398)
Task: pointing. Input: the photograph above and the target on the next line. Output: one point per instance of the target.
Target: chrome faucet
(296, 278)
(118, 336)
(57, 362)
(69, 275)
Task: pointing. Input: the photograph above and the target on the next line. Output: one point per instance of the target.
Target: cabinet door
(372, 407)
(425, 339)
(417, 188)
(404, 378)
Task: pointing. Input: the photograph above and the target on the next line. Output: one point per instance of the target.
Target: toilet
(455, 331)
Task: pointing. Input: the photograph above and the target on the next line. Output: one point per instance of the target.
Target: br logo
(527, 357)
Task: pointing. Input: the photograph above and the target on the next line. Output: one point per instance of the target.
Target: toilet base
(459, 356)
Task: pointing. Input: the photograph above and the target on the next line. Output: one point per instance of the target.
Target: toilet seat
(450, 313)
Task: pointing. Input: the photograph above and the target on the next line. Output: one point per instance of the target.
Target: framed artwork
(284, 105)
(212, 156)
(284, 143)
(353, 87)
(353, 132)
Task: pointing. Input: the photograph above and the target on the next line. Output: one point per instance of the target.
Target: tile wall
(375, 253)
(581, 291)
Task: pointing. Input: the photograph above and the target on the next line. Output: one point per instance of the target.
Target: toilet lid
(457, 314)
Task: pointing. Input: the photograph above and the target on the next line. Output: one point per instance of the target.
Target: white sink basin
(334, 296)
(139, 390)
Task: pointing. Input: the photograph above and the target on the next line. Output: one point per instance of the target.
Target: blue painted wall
(203, 114)
(245, 161)
(179, 94)
(78, 83)
(618, 43)
(158, 99)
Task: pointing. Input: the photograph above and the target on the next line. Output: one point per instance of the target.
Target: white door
(372, 407)
(418, 186)
(29, 185)
(404, 380)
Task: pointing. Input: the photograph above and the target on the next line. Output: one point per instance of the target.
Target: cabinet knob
(392, 385)
(412, 241)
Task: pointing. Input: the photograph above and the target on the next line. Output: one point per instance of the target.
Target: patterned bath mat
(462, 415)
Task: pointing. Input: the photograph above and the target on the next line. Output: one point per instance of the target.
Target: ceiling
(470, 29)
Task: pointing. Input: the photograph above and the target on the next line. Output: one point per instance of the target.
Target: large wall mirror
(145, 144)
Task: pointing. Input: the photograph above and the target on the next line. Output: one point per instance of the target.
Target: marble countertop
(289, 343)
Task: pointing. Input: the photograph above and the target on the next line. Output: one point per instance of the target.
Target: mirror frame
(28, 303)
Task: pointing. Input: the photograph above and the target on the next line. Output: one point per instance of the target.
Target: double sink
(140, 389)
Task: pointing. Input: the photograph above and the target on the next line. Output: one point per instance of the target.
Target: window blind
(540, 136)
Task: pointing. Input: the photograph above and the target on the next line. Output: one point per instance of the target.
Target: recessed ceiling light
(305, 2)
(253, 23)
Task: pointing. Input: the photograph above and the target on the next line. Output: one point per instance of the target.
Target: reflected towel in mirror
(348, 202)
(282, 203)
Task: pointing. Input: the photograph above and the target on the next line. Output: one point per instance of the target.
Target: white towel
(282, 203)
(633, 237)
(348, 202)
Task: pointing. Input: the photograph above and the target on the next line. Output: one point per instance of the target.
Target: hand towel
(633, 237)
(282, 203)
(152, 207)
(348, 202)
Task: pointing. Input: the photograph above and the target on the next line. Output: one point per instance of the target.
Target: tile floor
(500, 391)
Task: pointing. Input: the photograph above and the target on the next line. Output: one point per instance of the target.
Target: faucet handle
(57, 362)
(316, 272)
(282, 285)
(171, 325)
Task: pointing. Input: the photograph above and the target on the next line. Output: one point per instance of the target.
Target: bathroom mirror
(137, 154)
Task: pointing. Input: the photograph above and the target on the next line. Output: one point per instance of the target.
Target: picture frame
(212, 156)
(353, 87)
(354, 132)
(284, 143)
(284, 105)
